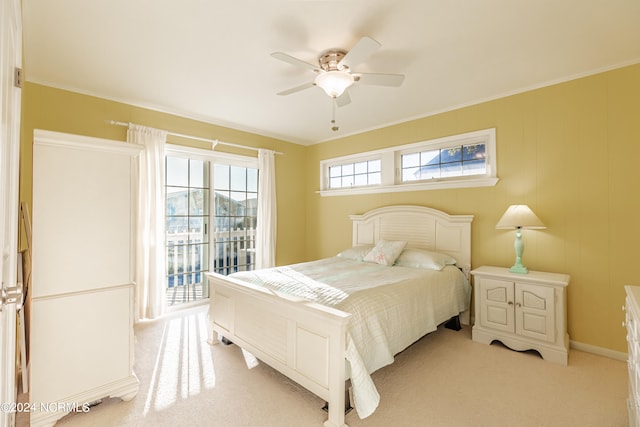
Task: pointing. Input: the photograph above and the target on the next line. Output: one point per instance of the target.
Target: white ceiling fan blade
(365, 47)
(295, 61)
(343, 99)
(380, 79)
(297, 89)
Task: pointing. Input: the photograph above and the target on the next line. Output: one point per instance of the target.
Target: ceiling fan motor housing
(329, 60)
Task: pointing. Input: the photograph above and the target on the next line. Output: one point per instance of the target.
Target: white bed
(337, 311)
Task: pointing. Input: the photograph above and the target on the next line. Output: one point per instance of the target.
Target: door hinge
(17, 77)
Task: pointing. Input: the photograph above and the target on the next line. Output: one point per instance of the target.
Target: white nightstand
(523, 311)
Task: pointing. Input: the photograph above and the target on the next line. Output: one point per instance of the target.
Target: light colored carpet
(445, 379)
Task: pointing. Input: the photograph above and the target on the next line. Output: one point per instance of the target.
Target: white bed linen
(391, 308)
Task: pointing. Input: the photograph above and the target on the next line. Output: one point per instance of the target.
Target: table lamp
(519, 217)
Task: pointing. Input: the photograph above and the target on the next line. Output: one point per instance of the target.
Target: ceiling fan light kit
(334, 82)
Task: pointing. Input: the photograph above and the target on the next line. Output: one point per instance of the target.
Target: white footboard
(302, 340)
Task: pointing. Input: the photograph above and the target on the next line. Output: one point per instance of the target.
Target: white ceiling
(210, 60)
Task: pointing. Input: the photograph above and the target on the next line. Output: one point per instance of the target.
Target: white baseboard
(600, 351)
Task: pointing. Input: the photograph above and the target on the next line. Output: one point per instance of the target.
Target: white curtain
(149, 244)
(266, 228)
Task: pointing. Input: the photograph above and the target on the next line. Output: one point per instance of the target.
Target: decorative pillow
(421, 258)
(356, 253)
(385, 252)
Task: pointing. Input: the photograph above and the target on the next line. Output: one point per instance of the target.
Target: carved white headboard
(420, 227)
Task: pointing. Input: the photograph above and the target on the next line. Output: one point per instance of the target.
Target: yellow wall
(570, 151)
(63, 111)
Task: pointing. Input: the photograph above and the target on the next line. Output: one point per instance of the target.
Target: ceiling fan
(335, 71)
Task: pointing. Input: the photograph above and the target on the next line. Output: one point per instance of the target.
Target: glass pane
(198, 202)
(252, 180)
(360, 167)
(198, 174)
(375, 165)
(176, 201)
(335, 171)
(411, 174)
(176, 229)
(430, 172)
(252, 204)
(179, 258)
(335, 182)
(474, 152)
(221, 177)
(237, 203)
(430, 157)
(347, 169)
(221, 225)
(197, 228)
(361, 179)
(451, 169)
(451, 154)
(252, 222)
(238, 178)
(177, 171)
(375, 178)
(474, 167)
(221, 259)
(170, 253)
(221, 203)
(409, 160)
(347, 181)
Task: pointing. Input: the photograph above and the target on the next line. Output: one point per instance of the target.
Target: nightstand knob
(510, 303)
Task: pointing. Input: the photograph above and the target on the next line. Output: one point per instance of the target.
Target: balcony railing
(188, 260)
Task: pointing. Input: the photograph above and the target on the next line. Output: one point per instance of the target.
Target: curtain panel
(267, 220)
(149, 244)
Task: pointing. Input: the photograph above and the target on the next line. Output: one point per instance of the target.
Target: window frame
(391, 166)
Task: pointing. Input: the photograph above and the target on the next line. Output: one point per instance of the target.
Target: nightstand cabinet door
(496, 304)
(535, 306)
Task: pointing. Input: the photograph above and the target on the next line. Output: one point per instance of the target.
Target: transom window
(458, 161)
(368, 172)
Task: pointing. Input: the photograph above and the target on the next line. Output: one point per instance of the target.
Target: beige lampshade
(520, 216)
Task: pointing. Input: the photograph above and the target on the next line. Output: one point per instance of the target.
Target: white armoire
(82, 296)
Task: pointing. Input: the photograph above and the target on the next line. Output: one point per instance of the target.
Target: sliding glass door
(207, 230)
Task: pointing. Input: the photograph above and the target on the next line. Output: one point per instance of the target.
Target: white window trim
(208, 155)
(391, 167)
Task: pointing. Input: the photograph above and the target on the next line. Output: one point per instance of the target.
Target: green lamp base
(520, 269)
(519, 247)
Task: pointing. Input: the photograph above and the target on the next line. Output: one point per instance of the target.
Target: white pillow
(356, 253)
(385, 252)
(422, 258)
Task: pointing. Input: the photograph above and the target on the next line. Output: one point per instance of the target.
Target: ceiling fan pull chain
(334, 127)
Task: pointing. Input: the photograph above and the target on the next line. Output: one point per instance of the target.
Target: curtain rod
(180, 135)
